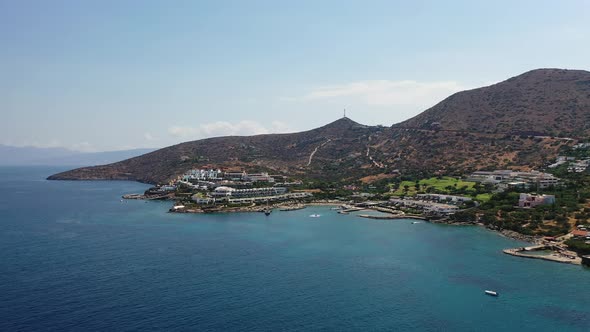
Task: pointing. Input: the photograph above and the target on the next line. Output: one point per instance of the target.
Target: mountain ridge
(488, 127)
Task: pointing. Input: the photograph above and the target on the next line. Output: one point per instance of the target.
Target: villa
(531, 201)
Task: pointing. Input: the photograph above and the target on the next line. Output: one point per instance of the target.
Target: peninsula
(511, 156)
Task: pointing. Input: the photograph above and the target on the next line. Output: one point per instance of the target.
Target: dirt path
(316, 150)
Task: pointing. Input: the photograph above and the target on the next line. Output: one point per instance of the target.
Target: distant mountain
(13, 156)
(520, 123)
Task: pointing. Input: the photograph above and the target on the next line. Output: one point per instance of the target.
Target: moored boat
(491, 293)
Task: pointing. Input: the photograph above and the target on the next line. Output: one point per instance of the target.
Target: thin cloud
(149, 137)
(383, 92)
(224, 128)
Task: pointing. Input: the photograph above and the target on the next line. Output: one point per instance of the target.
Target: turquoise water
(76, 258)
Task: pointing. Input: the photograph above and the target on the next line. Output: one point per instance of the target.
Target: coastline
(556, 255)
(516, 236)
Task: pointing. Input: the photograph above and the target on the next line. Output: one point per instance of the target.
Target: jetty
(567, 257)
(393, 216)
(292, 207)
(354, 209)
(145, 197)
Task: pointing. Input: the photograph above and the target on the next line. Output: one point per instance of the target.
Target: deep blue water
(76, 258)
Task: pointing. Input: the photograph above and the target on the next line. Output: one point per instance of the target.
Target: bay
(75, 257)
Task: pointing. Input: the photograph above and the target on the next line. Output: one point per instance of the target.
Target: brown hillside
(340, 144)
(497, 126)
(552, 102)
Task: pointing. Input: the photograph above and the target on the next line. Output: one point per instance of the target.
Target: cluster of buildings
(443, 198)
(426, 207)
(214, 186)
(202, 174)
(504, 179)
(581, 232)
(578, 166)
(252, 195)
(574, 166)
(581, 146)
(560, 161)
(209, 179)
(251, 192)
(217, 175)
(532, 200)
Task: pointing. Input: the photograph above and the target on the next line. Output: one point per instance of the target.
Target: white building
(441, 197)
(531, 201)
(263, 177)
(202, 174)
(534, 179)
(252, 192)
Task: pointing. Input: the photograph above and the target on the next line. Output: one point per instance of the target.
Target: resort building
(235, 176)
(579, 166)
(426, 207)
(252, 195)
(505, 178)
(531, 201)
(167, 188)
(262, 177)
(202, 200)
(252, 192)
(443, 198)
(202, 174)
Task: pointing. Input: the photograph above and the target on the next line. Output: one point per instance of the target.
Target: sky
(112, 75)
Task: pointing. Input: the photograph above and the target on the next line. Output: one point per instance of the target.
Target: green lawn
(483, 197)
(435, 183)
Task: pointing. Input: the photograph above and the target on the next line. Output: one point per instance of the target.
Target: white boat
(491, 293)
(415, 222)
(315, 215)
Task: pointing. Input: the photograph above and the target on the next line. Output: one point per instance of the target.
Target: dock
(389, 217)
(144, 197)
(292, 208)
(554, 256)
(351, 210)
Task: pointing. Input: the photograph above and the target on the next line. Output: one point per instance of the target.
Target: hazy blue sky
(102, 75)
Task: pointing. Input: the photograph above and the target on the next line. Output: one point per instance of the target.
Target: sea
(75, 257)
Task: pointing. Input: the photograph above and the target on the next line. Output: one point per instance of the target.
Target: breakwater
(554, 256)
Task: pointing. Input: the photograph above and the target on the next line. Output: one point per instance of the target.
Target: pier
(554, 256)
(147, 198)
(386, 217)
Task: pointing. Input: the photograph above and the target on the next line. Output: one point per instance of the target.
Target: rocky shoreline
(517, 236)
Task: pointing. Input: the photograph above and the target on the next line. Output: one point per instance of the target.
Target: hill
(321, 152)
(520, 123)
(549, 102)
